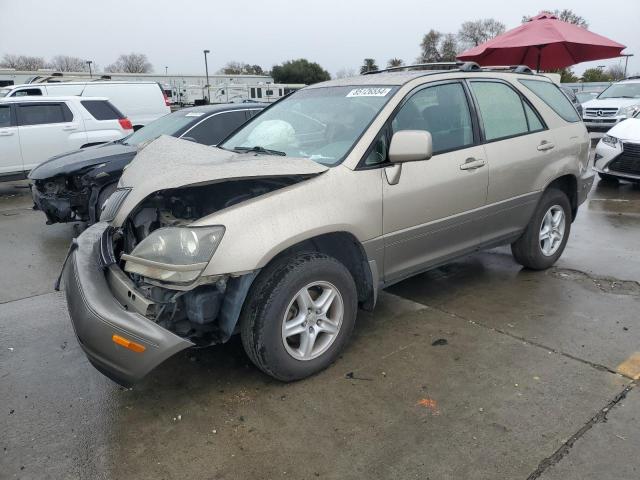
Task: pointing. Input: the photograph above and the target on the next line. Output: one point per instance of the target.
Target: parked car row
(75, 185)
(300, 216)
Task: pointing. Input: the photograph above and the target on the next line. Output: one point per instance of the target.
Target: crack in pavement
(604, 284)
(564, 449)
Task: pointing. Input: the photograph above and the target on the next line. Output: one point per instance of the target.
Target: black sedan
(74, 186)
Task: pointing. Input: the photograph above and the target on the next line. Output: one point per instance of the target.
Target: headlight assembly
(609, 140)
(174, 254)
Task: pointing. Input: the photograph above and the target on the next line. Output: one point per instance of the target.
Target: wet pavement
(476, 370)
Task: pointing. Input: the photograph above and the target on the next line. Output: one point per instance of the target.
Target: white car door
(10, 156)
(48, 129)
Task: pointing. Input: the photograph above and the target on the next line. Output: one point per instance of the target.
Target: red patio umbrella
(544, 42)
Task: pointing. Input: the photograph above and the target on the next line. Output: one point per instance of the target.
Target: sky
(338, 34)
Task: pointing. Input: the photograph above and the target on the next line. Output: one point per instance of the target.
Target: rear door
(212, 130)
(518, 147)
(10, 156)
(47, 129)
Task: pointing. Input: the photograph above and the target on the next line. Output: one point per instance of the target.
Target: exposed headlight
(609, 140)
(174, 254)
(630, 111)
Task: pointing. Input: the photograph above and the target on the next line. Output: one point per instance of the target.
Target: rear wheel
(299, 315)
(545, 237)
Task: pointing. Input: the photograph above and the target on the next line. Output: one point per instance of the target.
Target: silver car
(301, 216)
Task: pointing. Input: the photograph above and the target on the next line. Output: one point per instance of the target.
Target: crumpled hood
(71, 163)
(170, 162)
(627, 130)
(611, 103)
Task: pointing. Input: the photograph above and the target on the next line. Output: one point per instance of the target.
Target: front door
(429, 211)
(10, 156)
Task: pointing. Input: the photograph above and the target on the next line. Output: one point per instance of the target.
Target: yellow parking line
(630, 367)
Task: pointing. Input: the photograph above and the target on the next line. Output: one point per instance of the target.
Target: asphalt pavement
(476, 370)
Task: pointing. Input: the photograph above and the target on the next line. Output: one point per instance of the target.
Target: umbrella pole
(539, 59)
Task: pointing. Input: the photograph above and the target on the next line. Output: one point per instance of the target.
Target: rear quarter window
(550, 94)
(101, 110)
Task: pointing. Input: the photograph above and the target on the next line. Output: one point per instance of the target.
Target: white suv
(33, 129)
(617, 103)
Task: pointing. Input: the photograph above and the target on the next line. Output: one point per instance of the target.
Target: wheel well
(345, 248)
(569, 185)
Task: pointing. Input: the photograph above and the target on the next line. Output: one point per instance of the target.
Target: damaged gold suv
(296, 220)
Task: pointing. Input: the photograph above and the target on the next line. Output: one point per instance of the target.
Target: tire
(605, 177)
(105, 193)
(274, 299)
(529, 249)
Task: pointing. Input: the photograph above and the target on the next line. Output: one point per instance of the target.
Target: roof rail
(633, 77)
(460, 66)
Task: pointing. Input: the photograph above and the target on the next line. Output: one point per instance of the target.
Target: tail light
(125, 123)
(167, 102)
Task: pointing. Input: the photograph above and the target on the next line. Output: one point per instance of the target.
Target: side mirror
(410, 146)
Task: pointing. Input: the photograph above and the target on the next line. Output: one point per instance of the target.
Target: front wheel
(545, 237)
(299, 315)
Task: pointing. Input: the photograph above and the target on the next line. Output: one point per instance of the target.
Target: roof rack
(462, 66)
(459, 66)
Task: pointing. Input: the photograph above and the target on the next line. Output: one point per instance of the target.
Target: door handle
(69, 128)
(6, 133)
(472, 164)
(544, 146)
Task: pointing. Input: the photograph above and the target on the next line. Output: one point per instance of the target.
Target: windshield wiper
(259, 149)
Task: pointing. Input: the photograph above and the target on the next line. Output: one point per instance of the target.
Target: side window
(101, 109)
(216, 128)
(501, 110)
(443, 111)
(378, 153)
(28, 92)
(535, 124)
(550, 94)
(40, 114)
(5, 116)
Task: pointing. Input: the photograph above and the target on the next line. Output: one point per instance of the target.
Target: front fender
(341, 200)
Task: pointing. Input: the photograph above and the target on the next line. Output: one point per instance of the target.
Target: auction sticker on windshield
(369, 92)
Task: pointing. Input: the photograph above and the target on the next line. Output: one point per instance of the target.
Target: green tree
(241, 68)
(473, 33)
(395, 62)
(595, 75)
(566, 75)
(430, 47)
(565, 15)
(299, 71)
(369, 65)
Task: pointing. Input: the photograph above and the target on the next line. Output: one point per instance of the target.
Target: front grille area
(631, 149)
(629, 161)
(601, 112)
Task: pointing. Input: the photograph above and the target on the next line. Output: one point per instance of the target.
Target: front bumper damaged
(97, 316)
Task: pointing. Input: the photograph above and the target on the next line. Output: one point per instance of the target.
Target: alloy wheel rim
(312, 321)
(552, 230)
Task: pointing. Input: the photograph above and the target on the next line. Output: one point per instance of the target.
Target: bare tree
(23, 62)
(65, 63)
(130, 63)
(369, 65)
(565, 15)
(449, 48)
(395, 62)
(345, 72)
(616, 72)
(430, 47)
(473, 33)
